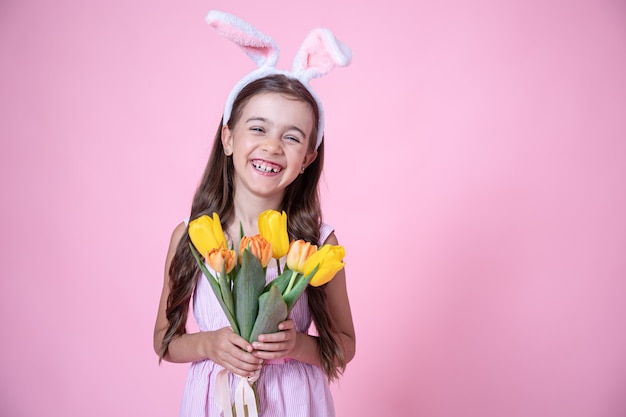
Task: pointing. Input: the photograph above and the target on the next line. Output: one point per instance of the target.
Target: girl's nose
(272, 144)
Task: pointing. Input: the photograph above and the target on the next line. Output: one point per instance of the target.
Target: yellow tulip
(206, 233)
(273, 227)
(221, 257)
(330, 260)
(259, 246)
(299, 252)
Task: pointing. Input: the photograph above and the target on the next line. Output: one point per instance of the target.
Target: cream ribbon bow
(244, 395)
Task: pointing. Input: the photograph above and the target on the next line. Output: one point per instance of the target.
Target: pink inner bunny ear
(319, 53)
(258, 46)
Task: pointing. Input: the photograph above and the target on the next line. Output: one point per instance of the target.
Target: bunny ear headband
(319, 53)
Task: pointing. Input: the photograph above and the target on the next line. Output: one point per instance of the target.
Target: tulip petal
(330, 261)
(206, 233)
(273, 227)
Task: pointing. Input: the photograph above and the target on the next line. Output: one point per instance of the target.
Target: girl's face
(270, 143)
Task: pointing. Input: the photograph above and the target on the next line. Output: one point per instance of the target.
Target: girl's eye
(293, 138)
(257, 129)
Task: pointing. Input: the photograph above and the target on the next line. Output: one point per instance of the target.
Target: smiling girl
(268, 154)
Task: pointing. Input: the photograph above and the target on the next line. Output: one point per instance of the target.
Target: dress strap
(325, 231)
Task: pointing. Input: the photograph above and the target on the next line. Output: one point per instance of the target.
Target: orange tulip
(299, 252)
(260, 248)
(221, 257)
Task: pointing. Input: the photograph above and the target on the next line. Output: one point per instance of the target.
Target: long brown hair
(301, 203)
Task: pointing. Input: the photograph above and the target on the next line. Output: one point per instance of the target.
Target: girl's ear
(227, 139)
(309, 158)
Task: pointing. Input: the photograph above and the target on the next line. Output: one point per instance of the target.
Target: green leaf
(216, 289)
(247, 287)
(298, 288)
(272, 311)
(227, 294)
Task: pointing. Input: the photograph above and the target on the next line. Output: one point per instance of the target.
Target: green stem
(278, 266)
(291, 282)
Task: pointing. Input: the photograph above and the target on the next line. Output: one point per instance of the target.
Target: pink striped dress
(293, 389)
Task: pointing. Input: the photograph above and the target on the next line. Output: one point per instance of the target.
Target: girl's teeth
(265, 168)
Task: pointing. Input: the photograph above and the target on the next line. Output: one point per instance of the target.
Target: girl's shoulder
(178, 233)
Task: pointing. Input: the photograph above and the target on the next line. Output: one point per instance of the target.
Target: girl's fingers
(241, 363)
(285, 329)
(270, 347)
(287, 325)
(276, 345)
(240, 342)
(234, 353)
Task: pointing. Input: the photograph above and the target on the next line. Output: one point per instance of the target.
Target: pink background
(476, 174)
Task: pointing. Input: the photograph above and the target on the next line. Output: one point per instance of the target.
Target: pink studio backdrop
(476, 174)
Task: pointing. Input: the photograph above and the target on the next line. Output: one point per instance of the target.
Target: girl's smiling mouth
(266, 167)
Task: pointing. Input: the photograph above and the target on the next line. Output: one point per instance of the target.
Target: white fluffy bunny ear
(261, 48)
(320, 52)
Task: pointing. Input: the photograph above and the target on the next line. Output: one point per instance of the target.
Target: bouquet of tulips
(252, 305)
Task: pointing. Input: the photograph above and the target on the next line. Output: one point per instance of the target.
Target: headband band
(319, 53)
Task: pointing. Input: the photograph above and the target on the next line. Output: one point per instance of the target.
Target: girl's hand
(277, 345)
(231, 351)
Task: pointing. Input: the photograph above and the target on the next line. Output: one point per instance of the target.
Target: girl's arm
(303, 347)
(222, 346)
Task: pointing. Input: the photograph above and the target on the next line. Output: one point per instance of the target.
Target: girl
(268, 154)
